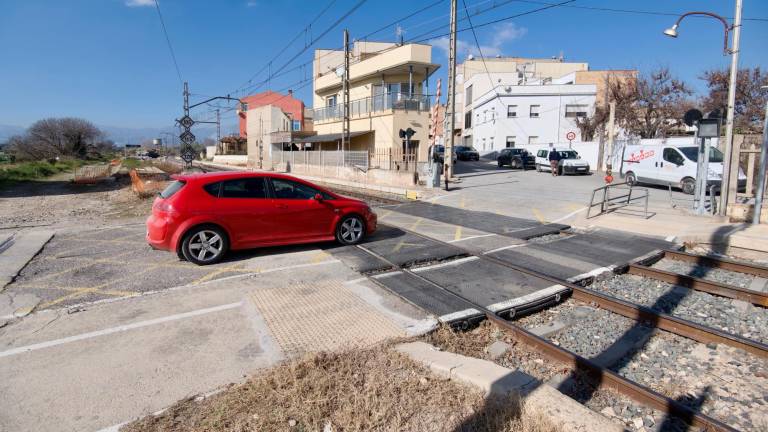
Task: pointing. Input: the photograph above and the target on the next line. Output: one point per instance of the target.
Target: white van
(570, 162)
(671, 165)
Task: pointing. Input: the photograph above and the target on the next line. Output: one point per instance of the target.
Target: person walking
(554, 161)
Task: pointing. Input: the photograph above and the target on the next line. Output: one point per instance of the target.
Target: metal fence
(330, 158)
(394, 159)
(372, 104)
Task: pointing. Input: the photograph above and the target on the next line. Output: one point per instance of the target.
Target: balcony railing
(374, 104)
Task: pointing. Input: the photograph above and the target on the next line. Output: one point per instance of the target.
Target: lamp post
(734, 52)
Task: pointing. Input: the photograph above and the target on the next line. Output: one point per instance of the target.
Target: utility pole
(345, 97)
(451, 108)
(760, 192)
(611, 135)
(725, 185)
(218, 127)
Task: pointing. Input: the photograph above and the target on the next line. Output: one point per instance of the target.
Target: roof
(326, 138)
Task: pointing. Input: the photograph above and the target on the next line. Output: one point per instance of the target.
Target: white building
(531, 115)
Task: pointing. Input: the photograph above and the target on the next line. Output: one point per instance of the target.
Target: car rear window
(172, 188)
(213, 188)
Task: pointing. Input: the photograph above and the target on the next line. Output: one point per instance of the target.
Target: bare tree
(593, 125)
(651, 106)
(52, 137)
(750, 98)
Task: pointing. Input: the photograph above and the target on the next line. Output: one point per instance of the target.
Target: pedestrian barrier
(627, 199)
(144, 189)
(92, 173)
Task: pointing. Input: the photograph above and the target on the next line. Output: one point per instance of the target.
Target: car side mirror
(318, 197)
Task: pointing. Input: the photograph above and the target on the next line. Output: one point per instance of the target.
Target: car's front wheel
(205, 245)
(350, 230)
(688, 185)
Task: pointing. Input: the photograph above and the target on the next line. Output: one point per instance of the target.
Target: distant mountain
(7, 131)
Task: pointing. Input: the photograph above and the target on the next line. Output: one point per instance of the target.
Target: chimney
(290, 93)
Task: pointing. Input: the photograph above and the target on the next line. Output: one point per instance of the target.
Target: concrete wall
(237, 160)
(491, 126)
(373, 177)
(261, 122)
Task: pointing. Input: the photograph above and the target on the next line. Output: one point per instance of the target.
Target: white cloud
(252, 3)
(139, 3)
(502, 35)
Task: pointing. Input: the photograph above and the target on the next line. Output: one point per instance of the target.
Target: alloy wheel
(351, 230)
(206, 245)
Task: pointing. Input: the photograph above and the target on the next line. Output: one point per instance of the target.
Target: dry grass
(359, 390)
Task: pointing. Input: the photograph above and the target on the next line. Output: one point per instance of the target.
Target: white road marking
(118, 329)
(569, 215)
(470, 238)
(445, 264)
(504, 248)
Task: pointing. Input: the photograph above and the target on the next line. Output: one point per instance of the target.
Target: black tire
(559, 171)
(501, 165)
(350, 230)
(688, 185)
(630, 178)
(205, 244)
(515, 164)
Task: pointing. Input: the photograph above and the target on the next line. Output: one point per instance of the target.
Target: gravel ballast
(727, 277)
(733, 316)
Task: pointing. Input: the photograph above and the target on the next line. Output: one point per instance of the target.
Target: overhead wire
(168, 41)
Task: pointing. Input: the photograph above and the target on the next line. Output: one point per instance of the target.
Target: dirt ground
(58, 202)
(373, 390)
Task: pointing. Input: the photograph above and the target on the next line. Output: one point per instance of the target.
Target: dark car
(467, 153)
(440, 153)
(516, 158)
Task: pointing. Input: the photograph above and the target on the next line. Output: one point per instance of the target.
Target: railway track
(601, 375)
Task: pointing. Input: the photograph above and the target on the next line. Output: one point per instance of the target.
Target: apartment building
(388, 92)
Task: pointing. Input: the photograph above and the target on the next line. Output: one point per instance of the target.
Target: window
(172, 189)
(469, 96)
(510, 142)
(483, 143)
(576, 110)
(535, 111)
(491, 139)
(252, 187)
(296, 125)
(330, 101)
(692, 153)
(468, 119)
(213, 188)
(542, 154)
(287, 189)
(511, 111)
(672, 155)
(532, 140)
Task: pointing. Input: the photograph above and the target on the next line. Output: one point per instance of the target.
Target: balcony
(372, 105)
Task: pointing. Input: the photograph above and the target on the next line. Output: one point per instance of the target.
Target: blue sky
(107, 60)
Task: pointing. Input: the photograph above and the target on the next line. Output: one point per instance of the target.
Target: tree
(749, 108)
(651, 106)
(593, 125)
(54, 137)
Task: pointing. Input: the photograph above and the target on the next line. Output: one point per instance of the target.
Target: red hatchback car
(202, 216)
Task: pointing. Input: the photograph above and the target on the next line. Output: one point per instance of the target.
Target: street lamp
(734, 52)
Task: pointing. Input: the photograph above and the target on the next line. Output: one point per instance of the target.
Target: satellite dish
(692, 116)
(340, 71)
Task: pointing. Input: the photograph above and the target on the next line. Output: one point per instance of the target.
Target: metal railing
(373, 104)
(324, 158)
(609, 202)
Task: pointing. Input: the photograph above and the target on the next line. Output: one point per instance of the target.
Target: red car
(202, 216)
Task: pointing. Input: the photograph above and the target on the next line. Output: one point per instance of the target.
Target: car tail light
(164, 206)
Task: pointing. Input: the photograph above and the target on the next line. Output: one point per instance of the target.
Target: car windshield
(692, 153)
(463, 148)
(440, 149)
(569, 154)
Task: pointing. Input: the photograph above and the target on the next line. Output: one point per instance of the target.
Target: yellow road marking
(417, 223)
(401, 244)
(385, 214)
(457, 235)
(318, 256)
(538, 215)
(463, 202)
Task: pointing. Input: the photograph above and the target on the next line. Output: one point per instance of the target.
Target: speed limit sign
(571, 136)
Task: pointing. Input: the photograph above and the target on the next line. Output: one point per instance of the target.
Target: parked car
(675, 165)
(202, 216)
(570, 162)
(465, 153)
(440, 152)
(516, 158)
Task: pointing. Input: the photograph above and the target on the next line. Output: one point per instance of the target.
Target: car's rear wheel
(205, 245)
(350, 230)
(500, 164)
(516, 164)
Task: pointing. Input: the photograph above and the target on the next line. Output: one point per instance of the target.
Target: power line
(639, 12)
(168, 40)
(280, 52)
(479, 49)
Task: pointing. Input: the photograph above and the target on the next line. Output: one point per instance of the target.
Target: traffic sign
(187, 137)
(186, 121)
(570, 136)
(188, 154)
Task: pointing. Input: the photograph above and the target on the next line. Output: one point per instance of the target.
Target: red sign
(640, 155)
(571, 136)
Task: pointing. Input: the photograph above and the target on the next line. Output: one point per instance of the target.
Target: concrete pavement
(116, 360)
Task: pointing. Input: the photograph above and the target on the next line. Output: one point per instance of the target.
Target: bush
(35, 170)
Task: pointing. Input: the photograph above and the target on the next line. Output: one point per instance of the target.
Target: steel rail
(699, 284)
(721, 263)
(603, 377)
(670, 323)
